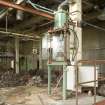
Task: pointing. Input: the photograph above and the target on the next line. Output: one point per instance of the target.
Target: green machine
(59, 24)
(60, 19)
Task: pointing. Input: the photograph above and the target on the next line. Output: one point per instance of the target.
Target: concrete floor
(38, 96)
(83, 101)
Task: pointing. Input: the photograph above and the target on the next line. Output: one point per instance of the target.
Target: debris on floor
(32, 95)
(11, 79)
(101, 90)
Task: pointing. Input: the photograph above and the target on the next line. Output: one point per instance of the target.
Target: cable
(77, 44)
(76, 41)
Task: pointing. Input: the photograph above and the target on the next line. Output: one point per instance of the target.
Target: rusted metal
(91, 62)
(26, 9)
(94, 63)
(92, 81)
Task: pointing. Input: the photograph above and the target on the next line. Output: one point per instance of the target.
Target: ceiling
(34, 25)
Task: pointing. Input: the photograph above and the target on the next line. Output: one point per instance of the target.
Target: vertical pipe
(50, 49)
(94, 84)
(65, 46)
(26, 63)
(77, 17)
(64, 82)
(49, 80)
(17, 54)
(40, 55)
(76, 79)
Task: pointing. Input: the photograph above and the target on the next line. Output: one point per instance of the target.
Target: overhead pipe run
(40, 8)
(26, 9)
(3, 12)
(24, 37)
(16, 34)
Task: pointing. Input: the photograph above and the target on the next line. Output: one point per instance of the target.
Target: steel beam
(26, 9)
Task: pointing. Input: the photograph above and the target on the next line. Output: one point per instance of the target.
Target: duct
(19, 15)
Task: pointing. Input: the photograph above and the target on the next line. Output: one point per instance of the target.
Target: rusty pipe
(26, 9)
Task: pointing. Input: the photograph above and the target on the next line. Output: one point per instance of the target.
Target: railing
(90, 62)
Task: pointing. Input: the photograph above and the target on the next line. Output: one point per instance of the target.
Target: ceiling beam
(26, 9)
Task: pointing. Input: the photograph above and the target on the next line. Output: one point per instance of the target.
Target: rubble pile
(10, 79)
(30, 78)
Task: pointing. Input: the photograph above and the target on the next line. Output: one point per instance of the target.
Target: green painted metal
(57, 63)
(41, 8)
(60, 19)
(64, 82)
(49, 80)
(64, 64)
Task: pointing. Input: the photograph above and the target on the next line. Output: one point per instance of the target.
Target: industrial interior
(52, 52)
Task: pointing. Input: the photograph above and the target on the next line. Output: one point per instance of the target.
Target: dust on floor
(32, 95)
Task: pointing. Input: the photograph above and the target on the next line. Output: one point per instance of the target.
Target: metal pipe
(5, 11)
(95, 83)
(26, 9)
(102, 79)
(76, 78)
(92, 62)
(39, 7)
(64, 82)
(49, 80)
(63, 4)
(17, 55)
(16, 34)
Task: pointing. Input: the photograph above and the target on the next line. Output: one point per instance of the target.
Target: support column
(40, 55)
(76, 16)
(64, 82)
(17, 55)
(49, 80)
